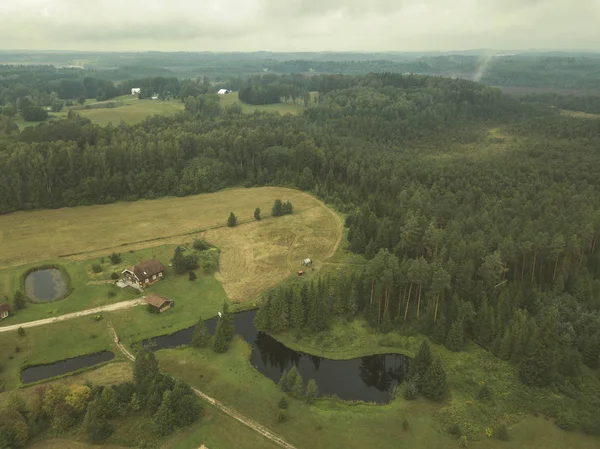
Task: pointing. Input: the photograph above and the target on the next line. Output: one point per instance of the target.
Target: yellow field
(255, 254)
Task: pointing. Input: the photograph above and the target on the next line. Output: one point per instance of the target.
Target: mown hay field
(132, 111)
(254, 255)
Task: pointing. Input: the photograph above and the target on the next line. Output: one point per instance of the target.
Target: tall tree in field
(225, 330)
(277, 210)
(232, 220)
(434, 384)
(312, 391)
(420, 364)
(19, 300)
(257, 214)
(200, 335)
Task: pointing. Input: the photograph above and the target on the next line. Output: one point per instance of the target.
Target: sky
(299, 25)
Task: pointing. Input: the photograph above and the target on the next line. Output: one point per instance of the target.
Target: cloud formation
(299, 25)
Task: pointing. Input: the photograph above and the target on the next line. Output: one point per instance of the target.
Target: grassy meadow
(282, 108)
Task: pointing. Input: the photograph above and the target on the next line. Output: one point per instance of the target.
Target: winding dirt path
(229, 411)
(68, 316)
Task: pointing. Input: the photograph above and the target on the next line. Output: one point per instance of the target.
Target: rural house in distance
(159, 303)
(224, 91)
(4, 310)
(144, 273)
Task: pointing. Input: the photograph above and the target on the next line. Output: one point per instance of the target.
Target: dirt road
(109, 308)
(235, 415)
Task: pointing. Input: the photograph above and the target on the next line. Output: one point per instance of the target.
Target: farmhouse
(4, 310)
(144, 273)
(224, 91)
(136, 91)
(159, 303)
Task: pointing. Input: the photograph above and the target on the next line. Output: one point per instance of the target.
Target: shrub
(21, 331)
(484, 393)
(97, 268)
(115, 258)
(281, 416)
(114, 276)
(112, 294)
(17, 349)
(282, 403)
(232, 220)
(405, 424)
(501, 432)
(97, 317)
(410, 391)
(201, 245)
(463, 442)
(565, 420)
(192, 276)
(454, 430)
(257, 214)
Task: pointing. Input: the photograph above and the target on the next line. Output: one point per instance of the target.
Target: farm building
(159, 303)
(307, 263)
(144, 273)
(4, 310)
(136, 91)
(224, 91)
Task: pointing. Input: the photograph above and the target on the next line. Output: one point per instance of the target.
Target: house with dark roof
(159, 303)
(144, 273)
(4, 310)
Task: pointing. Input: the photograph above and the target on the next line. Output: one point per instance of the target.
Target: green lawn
(282, 108)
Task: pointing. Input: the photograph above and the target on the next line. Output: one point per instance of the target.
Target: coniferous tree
(538, 367)
(264, 317)
(420, 364)
(232, 220)
(19, 300)
(434, 385)
(297, 386)
(257, 214)
(591, 352)
(504, 349)
(277, 210)
(439, 330)
(296, 312)
(96, 426)
(455, 338)
(225, 330)
(200, 335)
(164, 418)
(312, 391)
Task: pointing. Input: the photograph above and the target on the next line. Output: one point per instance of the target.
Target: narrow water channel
(42, 372)
(371, 378)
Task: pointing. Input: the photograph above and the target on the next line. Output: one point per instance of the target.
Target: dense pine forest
(479, 214)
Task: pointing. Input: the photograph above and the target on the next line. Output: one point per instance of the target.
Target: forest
(478, 213)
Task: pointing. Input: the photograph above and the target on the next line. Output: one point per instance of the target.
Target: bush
(232, 220)
(463, 442)
(21, 331)
(115, 258)
(34, 114)
(484, 393)
(410, 391)
(114, 276)
(281, 416)
(97, 268)
(501, 432)
(201, 245)
(454, 430)
(282, 403)
(565, 420)
(112, 294)
(192, 276)
(405, 424)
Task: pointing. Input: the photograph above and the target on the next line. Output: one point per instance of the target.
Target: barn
(159, 303)
(224, 91)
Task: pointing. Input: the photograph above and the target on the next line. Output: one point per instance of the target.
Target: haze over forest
(299, 25)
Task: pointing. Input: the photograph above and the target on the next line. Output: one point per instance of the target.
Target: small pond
(371, 378)
(45, 285)
(41, 372)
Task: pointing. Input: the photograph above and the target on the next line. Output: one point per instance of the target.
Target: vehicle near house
(159, 303)
(4, 310)
(144, 273)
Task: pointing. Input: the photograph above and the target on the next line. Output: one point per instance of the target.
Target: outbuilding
(159, 303)
(224, 91)
(136, 90)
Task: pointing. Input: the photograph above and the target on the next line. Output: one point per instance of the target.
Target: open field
(274, 245)
(132, 111)
(282, 108)
(579, 114)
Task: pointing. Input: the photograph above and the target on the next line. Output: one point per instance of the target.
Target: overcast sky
(299, 25)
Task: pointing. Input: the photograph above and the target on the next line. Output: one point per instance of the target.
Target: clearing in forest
(255, 254)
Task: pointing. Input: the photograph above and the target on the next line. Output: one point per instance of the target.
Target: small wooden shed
(159, 303)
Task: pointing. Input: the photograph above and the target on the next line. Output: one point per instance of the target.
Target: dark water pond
(45, 285)
(370, 378)
(41, 372)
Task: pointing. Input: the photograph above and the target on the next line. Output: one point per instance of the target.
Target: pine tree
(284, 382)
(96, 426)
(279, 318)
(455, 338)
(297, 387)
(296, 312)
(225, 330)
(538, 368)
(257, 214)
(312, 391)
(420, 364)
(164, 418)
(232, 220)
(19, 302)
(504, 350)
(434, 385)
(439, 330)
(200, 335)
(591, 352)
(277, 210)
(264, 317)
